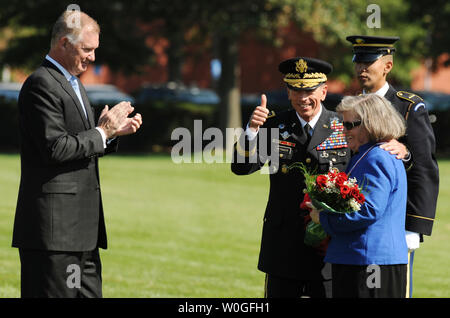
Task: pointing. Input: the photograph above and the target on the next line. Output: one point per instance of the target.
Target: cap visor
(366, 57)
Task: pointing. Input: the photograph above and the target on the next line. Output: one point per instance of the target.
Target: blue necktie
(76, 88)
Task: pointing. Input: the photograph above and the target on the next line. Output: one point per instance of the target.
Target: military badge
(336, 139)
(285, 148)
(287, 143)
(285, 135)
(301, 66)
(336, 124)
(418, 106)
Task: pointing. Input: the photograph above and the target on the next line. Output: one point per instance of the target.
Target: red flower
(345, 190)
(306, 199)
(360, 198)
(340, 179)
(332, 174)
(354, 192)
(321, 181)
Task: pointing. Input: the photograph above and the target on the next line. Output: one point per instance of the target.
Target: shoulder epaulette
(413, 98)
(271, 114)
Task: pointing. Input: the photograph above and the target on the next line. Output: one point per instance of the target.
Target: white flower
(354, 205)
(351, 181)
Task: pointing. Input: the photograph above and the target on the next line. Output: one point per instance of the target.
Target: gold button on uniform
(308, 160)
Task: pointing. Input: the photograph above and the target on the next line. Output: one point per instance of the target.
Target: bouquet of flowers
(333, 191)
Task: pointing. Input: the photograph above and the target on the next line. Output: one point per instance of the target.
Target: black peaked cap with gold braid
(304, 73)
(368, 49)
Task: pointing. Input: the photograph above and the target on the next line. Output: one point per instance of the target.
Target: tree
(226, 21)
(223, 22)
(122, 44)
(435, 18)
(330, 22)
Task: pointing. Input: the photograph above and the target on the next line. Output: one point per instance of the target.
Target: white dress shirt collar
(313, 121)
(66, 74)
(382, 91)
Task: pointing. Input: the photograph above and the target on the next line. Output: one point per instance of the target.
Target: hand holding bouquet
(334, 192)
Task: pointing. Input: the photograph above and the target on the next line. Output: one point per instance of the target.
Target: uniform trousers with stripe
(409, 283)
(369, 281)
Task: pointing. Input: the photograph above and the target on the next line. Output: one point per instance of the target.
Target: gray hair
(70, 24)
(381, 120)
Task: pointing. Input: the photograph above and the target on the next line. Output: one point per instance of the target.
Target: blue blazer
(376, 233)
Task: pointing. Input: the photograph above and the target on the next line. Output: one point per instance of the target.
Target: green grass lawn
(192, 230)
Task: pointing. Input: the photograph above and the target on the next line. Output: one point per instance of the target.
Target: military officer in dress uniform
(373, 58)
(310, 134)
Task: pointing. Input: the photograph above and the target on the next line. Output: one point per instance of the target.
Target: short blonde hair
(380, 119)
(71, 26)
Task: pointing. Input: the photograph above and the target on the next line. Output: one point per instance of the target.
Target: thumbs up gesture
(259, 115)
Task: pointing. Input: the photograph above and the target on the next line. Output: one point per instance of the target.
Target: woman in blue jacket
(368, 250)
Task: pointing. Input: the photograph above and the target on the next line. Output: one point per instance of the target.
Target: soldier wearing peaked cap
(307, 133)
(373, 58)
(367, 49)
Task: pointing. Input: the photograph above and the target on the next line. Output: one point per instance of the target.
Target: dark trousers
(279, 287)
(50, 274)
(369, 281)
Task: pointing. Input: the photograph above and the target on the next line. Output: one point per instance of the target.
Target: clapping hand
(130, 125)
(115, 121)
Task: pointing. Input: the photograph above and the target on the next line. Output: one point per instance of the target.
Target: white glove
(412, 240)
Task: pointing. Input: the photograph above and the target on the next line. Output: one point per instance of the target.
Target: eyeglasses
(349, 125)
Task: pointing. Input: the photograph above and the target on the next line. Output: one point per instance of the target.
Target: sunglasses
(349, 125)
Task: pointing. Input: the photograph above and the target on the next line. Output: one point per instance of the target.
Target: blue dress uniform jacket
(283, 252)
(422, 171)
(376, 233)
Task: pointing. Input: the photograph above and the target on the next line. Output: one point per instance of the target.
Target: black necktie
(308, 131)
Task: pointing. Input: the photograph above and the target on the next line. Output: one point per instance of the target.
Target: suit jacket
(59, 206)
(376, 233)
(422, 171)
(283, 252)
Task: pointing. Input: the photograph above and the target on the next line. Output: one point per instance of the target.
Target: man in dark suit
(309, 134)
(373, 58)
(59, 223)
